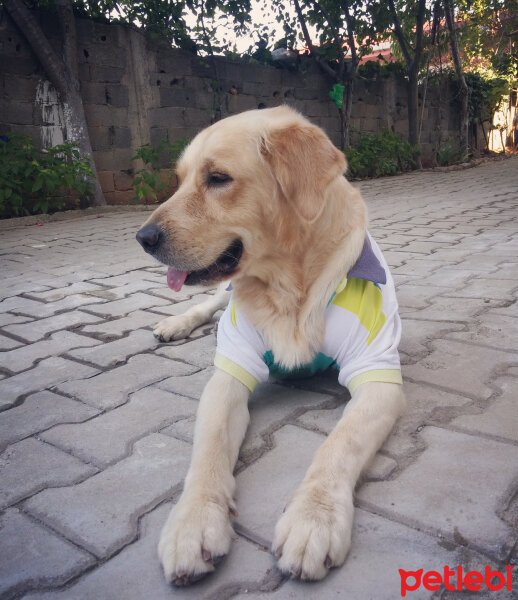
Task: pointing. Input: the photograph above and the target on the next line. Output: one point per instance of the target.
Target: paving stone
(425, 246)
(478, 263)
(135, 573)
(138, 284)
(371, 571)
(100, 514)
(259, 506)
(507, 270)
(490, 329)
(34, 557)
(448, 277)
(182, 429)
(448, 489)
(112, 353)
(420, 266)
(110, 389)
(36, 330)
(500, 419)
(450, 358)
(30, 465)
(119, 327)
(20, 285)
(448, 309)
(199, 352)
(39, 412)
(17, 304)
(58, 343)
(497, 289)
(81, 287)
(49, 372)
(417, 334)
(7, 343)
(40, 310)
(126, 278)
(425, 405)
(119, 308)
(109, 437)
(410, 295)
(270, 407)
(508, 310)
(10, 319)
(191, 386)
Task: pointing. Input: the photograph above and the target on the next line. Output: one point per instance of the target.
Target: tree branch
(337, 38)
(68, 27)
(399, 34)
(450, 22)
(350, 35)
(421, 11)
(54, 67)
(309, 43)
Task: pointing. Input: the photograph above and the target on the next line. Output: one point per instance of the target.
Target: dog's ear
(304, 162)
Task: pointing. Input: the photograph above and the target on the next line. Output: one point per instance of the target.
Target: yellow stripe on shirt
(365, 300)
(230, 367)
(377, 375)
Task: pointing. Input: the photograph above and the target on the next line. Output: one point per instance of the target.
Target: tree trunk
(463, 87)
(413, 107)
(412, 59)
(63, 76)
(345, 113)
(413, 111)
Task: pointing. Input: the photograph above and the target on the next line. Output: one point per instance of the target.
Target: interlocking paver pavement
(97, 416)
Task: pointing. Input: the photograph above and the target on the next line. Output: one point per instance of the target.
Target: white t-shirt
(363, 330)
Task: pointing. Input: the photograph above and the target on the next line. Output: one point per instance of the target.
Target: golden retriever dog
(262, 201)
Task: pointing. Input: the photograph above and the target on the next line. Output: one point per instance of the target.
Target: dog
(263, 201)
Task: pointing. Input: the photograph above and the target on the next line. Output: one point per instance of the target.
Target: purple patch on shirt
(368, 266)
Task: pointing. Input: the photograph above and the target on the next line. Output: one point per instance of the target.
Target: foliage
(485, 92)
(373, 69)
(193, 25)
(36, 181)
(376, 155)
(488, 37)
(450, 153)
(147, 181)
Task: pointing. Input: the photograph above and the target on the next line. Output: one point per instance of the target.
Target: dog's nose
(149, 237)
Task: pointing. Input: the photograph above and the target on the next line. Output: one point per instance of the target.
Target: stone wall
(137, 91)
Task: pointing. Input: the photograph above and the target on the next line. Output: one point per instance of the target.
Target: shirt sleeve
(240, 348)
(375, 355)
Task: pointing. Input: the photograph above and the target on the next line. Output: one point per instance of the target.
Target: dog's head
(243, 183)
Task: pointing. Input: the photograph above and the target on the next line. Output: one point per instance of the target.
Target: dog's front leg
(198, 530)
(179, 327)
(314, 533)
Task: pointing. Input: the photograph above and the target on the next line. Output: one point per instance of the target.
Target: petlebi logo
(457, 580)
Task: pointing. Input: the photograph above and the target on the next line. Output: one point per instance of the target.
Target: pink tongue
(175, 279)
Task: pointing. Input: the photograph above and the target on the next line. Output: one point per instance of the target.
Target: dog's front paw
(196, 536)
(176, 327)
(314, 533)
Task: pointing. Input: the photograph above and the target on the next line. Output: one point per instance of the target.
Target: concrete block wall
(138, 91)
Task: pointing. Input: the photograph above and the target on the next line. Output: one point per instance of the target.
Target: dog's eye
(216, 179)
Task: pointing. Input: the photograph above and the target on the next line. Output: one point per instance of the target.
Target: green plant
(38, 181)
(376, 155)
(147, 181)
(450, 153)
